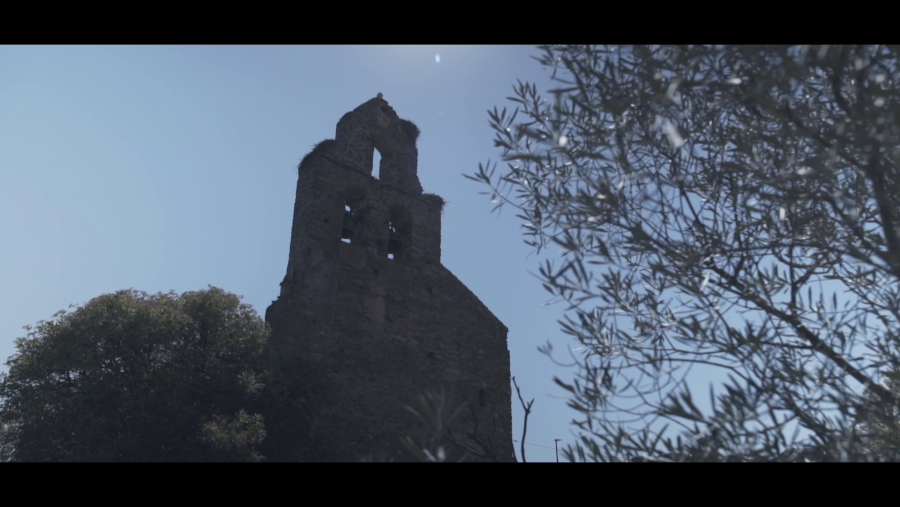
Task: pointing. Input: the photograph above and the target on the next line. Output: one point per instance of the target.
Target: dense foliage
(728, 220)
(137, 377)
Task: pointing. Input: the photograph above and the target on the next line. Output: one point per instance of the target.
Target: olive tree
(721, 215)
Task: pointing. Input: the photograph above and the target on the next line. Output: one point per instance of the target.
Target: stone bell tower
(366, 297)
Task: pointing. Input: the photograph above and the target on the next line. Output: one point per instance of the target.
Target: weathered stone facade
(365, 294)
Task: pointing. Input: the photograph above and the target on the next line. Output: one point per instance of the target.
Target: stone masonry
(366, 296)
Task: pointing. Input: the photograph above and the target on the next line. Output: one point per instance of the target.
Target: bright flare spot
(734, 81)
(563, 140)
(437, 58)
(879, 102)
(672, 133)
(705, 281)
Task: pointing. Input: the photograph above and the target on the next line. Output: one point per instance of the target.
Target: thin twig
(527, 407)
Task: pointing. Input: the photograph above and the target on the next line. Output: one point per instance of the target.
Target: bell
(393, 243)
(347, 233)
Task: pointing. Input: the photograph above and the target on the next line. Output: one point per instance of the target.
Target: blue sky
(173, 168)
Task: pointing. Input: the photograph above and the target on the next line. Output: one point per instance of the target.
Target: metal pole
(556, 446)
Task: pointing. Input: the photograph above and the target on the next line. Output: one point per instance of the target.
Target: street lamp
(556, 446)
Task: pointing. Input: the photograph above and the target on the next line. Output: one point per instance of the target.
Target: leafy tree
(137, 377)
(727, 211)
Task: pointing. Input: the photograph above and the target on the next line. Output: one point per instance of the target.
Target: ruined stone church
(366, 296)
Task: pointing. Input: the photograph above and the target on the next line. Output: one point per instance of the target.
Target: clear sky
(174, 167)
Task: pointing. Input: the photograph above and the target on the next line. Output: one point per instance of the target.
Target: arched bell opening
(376, 163)
(349, 228)
(399, 232)
(354, 215)
(381, 154)
(395, 246)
